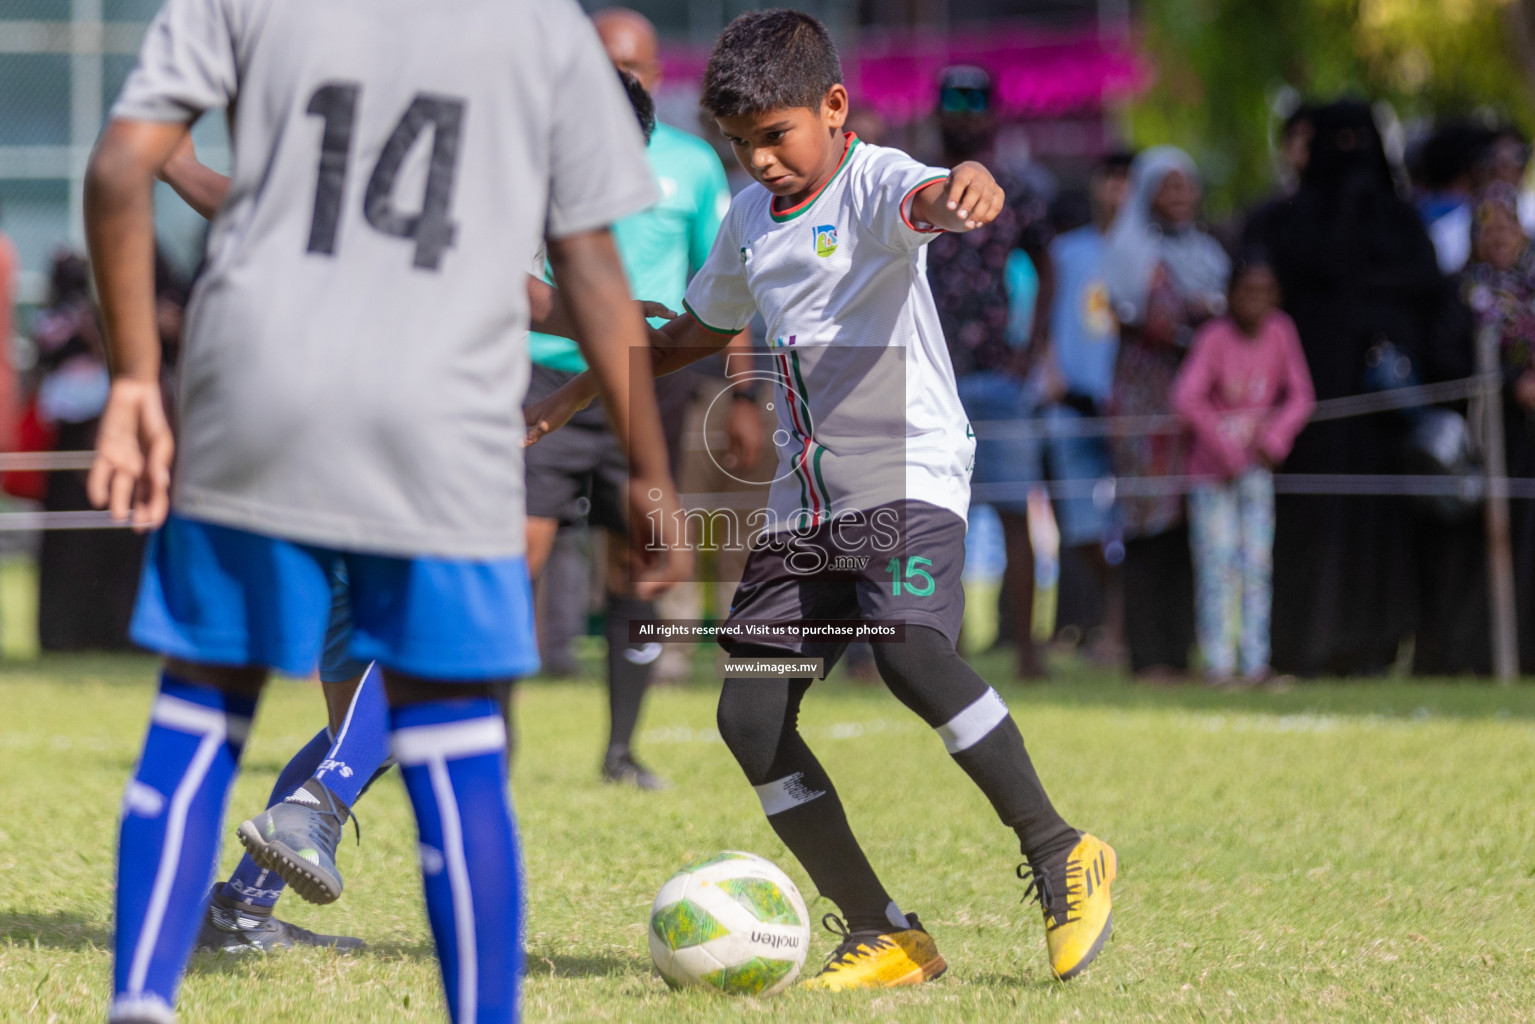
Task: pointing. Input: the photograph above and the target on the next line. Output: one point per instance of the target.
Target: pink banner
(1037, 73)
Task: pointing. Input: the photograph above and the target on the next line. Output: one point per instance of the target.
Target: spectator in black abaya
(1357, 269)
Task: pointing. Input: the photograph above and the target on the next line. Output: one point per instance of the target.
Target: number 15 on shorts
(917, 580)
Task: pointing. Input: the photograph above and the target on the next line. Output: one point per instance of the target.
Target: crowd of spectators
(1084, 311)
(1360, 273)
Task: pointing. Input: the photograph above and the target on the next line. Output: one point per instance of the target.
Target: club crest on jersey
(825, 240)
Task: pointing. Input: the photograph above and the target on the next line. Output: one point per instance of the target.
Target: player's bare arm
(607, 329)
(132, 472)
(547, 313)
(968, 198)
(203, 188)
(679, 343)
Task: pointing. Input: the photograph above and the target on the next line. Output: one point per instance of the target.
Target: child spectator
(1245, 393)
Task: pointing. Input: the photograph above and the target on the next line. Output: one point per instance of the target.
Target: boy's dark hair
(1115, 161)
(770, 60)
(639, 99)
(1246, 260)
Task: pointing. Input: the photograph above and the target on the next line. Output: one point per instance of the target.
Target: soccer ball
(733, 922)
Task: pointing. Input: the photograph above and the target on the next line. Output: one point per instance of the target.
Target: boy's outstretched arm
(608, 329)
(680, 343)
(968, 198)
(134, 447)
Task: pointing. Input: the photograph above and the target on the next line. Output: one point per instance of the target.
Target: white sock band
(786, 794)
(419, 744)
(144, 1006)
(971, 725)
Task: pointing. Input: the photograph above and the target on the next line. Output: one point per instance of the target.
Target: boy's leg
(210, 597)
(881, 946)
(630, 667)
(240, 915)
(922, 590)
(927, 675)
(298, 836)
(251, 885)
(1256, 496)
(172, 814)
(450, 742)
(1214, 533)
(446, 629)
(759, 721)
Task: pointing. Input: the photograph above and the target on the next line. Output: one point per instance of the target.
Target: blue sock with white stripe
(168, 846)
(362, 743)
(452, 754)
(251, 883)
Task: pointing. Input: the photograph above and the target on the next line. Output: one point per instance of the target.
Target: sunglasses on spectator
(964, 101)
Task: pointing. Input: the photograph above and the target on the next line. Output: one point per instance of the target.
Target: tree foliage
(1220, 65)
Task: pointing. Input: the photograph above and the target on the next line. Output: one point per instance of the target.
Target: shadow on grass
(224, 963)
(601, 965)
(56, 930)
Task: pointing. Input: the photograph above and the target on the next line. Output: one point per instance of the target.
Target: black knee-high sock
(758, 720)
(928, 676)
(629, 669)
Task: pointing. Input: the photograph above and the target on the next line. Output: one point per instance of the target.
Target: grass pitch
(1355, 852)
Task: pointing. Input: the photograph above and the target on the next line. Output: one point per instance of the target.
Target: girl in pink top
(1245, 393)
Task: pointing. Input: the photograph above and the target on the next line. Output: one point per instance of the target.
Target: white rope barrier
(1326, 409)
(1103, 490)
(44, 462)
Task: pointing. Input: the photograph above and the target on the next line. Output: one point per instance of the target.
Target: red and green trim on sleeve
(906, 203)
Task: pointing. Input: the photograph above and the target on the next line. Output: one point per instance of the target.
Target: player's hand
(554, 410)
(744, 435)
(657, 311)
(131, 476)
(658, 552)
(971, 196)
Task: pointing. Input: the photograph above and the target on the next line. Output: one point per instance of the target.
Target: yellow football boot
(1074, 893)
(870, 960)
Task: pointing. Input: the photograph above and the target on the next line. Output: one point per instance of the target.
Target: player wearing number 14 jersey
(866, 517)
(350, 395)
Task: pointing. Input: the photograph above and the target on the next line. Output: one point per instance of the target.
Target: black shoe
(232, 927)
(297, 839)
(622, 769)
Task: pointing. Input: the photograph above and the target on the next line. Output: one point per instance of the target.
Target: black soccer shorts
(899, 563)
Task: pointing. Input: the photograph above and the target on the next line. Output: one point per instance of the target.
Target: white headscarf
(1137, 244)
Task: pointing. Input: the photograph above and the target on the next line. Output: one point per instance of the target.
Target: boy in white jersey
(867, 514)
(349, 393)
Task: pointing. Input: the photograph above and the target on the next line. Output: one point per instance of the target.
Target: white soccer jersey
(866, 405)
(356, 352)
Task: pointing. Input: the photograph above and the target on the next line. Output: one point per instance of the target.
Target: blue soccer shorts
(225, 596)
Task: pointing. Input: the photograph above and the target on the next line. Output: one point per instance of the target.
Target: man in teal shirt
(581, 473)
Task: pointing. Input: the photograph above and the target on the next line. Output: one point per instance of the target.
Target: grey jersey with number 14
(356, 357)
